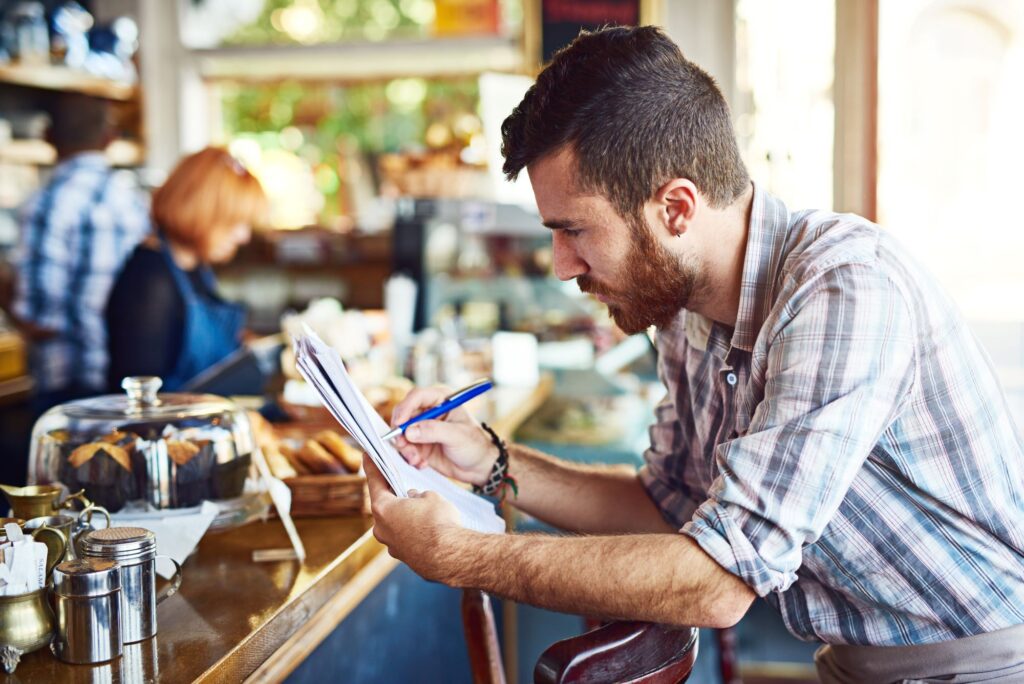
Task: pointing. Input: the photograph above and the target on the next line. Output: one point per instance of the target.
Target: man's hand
(417, 529)
(454, 445)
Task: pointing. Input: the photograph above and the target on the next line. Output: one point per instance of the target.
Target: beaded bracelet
(499, 481)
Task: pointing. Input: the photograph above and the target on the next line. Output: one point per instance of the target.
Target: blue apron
(212, 327)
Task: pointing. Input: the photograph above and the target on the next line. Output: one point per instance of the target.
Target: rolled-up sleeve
(839, 368)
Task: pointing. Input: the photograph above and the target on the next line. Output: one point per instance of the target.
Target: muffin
(103, 468)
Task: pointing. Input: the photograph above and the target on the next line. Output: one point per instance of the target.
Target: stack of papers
(322, 367)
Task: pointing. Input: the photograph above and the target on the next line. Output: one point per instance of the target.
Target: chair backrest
(481, 638)
(636, 652)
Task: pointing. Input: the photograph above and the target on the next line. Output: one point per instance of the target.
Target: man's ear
(676, 203)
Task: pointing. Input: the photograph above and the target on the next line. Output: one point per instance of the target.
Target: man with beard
(833, 439)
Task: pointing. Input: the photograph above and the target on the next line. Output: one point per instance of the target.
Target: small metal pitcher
(35, 501)
(26, 624)
(73, 528)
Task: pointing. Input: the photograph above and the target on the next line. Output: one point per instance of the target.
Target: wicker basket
(316, 496)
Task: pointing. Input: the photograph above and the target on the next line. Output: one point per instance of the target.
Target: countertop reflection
(231, 614)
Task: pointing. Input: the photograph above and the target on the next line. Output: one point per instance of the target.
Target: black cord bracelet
(499, 476)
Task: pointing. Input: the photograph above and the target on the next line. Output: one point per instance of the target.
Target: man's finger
(375, 481)
(417, 401)
(435, 432)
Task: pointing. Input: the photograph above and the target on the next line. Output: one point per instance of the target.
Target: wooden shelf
(362, 60)
(63, 79)
(28, 152)
(41, 153)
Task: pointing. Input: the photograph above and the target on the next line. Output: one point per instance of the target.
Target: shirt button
(731, 379)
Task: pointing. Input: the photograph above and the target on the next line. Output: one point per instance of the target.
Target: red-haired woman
(164, 316)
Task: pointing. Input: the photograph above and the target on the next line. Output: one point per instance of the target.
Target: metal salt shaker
(134, 550)
(87, 594)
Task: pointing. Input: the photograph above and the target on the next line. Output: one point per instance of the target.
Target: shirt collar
(766, 240)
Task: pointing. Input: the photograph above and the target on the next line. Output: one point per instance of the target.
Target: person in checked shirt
(833, 440)
(76, 233)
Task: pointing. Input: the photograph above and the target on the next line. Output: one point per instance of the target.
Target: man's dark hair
(635, 112)
(79, 122)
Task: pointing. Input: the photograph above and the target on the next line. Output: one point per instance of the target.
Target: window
(784, 110)
(950, 150)
(322, 149)
(950, 107)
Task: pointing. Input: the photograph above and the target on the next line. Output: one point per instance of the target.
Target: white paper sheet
(323, 369)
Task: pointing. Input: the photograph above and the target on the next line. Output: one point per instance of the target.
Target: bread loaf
(280, 466)
(293, 459)
(315, 457)
(343, 452)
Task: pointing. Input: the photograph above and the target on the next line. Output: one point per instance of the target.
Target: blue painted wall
(406, 630)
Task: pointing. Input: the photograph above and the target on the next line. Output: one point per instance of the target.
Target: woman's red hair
(207, 194)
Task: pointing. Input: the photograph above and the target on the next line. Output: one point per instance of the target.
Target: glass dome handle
(142, 391)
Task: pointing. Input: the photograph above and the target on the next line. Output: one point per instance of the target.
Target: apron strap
(181, 279)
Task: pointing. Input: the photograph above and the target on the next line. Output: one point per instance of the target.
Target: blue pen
(450, 402)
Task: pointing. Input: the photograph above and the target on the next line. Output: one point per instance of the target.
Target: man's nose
(567, 264)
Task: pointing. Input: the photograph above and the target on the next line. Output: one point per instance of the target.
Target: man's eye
(569, 232)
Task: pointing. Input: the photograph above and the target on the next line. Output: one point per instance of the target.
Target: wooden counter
(235, 620)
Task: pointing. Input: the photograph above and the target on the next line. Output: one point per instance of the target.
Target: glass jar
(170, 450)
(26, 34)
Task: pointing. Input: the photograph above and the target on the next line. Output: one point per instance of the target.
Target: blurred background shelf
(363, 60)
(48, 77)
(38, 152)
(42, 153)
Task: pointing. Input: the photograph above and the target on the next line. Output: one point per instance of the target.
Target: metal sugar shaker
(87, 594)
(134, 550)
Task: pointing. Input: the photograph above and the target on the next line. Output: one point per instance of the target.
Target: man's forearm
(594, 499)
(663, 578)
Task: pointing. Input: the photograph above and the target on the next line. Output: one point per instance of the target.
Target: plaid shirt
(846, 449)
(76, 233)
